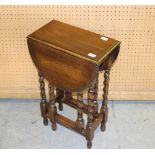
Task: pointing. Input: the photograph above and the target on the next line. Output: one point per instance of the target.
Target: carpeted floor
(131, 124)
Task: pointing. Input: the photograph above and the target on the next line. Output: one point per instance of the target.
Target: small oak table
(70, 59)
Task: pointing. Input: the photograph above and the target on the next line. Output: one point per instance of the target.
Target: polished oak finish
(70, 59)
(53, 63)
(75, 41)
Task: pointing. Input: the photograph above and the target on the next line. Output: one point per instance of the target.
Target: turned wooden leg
(80, 120)
(43, 102)
(96, 96)
(60, 94)
(89, 129)
(104, 107)
(52, 107)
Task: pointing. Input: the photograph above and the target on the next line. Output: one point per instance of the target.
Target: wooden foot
(60, 94)
(80, 120)
(104, 107)
(89, 126)
(52, 107)
(45, 121)
(105, 117)
(54, 126)
(43, 102)
(103, 127)
(60, 106)
(89, 144)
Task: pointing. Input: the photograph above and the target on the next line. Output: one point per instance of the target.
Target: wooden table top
(75, 41)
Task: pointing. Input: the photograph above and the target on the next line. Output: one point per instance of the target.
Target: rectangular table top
(75, 41)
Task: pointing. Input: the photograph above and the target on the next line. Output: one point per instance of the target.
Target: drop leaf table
(70, 59)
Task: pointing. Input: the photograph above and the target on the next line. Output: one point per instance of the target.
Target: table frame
(95, 116)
